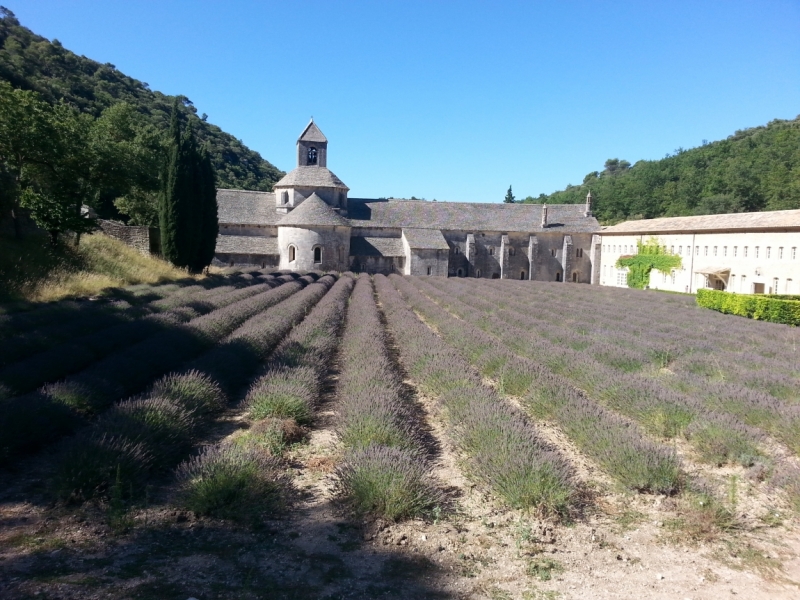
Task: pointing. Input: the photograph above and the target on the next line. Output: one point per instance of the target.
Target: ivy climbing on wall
(649, 255)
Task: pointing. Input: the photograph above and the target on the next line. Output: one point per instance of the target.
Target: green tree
(187, 203)
(27, 139)
(509, 199)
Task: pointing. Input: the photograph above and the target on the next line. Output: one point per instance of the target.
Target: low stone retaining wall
(146, 240)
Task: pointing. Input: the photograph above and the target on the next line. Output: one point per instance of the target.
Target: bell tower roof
(312, 133)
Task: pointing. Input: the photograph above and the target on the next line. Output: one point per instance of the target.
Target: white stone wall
(755, 259)
(334, 243)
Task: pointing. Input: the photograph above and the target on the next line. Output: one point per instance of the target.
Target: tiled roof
(312, 133)
(314, 211)
(246, 244)
(777, 219)
(314, 176)
(246, 208)
(468, 216)
(431, 239)
(376, 246)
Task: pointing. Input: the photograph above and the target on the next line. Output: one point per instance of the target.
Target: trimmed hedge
(774, 309)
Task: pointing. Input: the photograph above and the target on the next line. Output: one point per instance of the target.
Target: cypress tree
(209, 226)
(187, 203)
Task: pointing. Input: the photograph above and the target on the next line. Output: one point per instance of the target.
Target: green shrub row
(775, 309)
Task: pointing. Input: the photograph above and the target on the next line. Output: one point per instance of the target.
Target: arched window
(477, 273)
(575, 277)
(292, 253)
(429, 270)
(495, 275)
(312, 156)
(455, 250)
(318, 254)
(491, 251)
(460, 273)
(522, 275)
(558, 276)
(511, 251)
(284, 197)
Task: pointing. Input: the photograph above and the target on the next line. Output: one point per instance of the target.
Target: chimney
(544, 215)
(588, 211)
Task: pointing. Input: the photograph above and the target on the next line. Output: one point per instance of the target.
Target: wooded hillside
(752, 170)
(31, 62)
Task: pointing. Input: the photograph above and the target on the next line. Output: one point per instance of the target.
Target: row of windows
(317, 253)
(511, 251)
(778, 287)
(790, 253)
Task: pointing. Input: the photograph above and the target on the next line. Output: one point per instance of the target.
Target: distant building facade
(308, 222)
(748, 253)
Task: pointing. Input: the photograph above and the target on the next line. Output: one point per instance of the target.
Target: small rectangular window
(715, 250)
(429, 270)
(680, 249)
(769, 251)
(735, 251)
(705, 251)
(744, 252)
(672, 249)
(794, 253)
(733, 282)
(756, 253)
(724, 251)
(780, 252)
(697, 250)
(775, 285)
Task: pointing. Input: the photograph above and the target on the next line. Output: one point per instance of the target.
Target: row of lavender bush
(27, 422)
(614, 443)
(71, 356)
(504, 449)
(241, 478)
(709, 412)
(144, 435)
(384, 470)
(685, 338)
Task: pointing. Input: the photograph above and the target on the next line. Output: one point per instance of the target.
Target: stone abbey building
(309, 223)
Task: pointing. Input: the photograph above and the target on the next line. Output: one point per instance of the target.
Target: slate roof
(246, 208)
(468, 216)
(431, 239)
(313, 176)
(312, 133)
(376, 246)
(314, 211)
(777, 219)
(246, 244)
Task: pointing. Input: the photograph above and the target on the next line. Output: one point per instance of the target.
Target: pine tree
(509, 199)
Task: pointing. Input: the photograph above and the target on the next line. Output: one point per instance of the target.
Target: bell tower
(312, 147)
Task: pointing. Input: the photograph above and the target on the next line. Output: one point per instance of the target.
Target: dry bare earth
(623, 544)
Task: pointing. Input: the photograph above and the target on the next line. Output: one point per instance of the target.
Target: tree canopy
(752, 170)
(31, 62)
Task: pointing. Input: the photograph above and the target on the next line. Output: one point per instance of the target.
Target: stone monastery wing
(238, 207)
(246, 244)
(311, 177)
(376, 246)
(467, 216)
(779, 219)
(429, 239)
(314, 211)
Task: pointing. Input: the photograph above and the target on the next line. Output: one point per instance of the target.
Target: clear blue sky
(454, 100)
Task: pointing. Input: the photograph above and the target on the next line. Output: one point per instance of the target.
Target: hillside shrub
(775, 309)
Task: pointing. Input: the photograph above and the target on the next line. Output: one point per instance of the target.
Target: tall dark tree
(187, 203)
(509, 199)
(209, 226)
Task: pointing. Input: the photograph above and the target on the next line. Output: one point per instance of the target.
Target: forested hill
(753, 170)
(31, 62)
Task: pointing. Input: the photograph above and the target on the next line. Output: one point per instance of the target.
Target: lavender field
(342, 408)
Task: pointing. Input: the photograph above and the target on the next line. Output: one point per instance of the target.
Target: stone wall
(144, 239)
